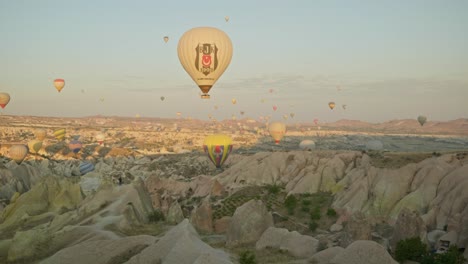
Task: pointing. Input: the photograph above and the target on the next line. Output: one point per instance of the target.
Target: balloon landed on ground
(307, 145)
(86, 167)
(60, 134)
(59, 84)
(18, 152)
(34, 146)
(41, 134)
(277, 131)
(75, 146)
(4, 100)
(218, 148)
(422, 120)
(374, 145)
(205, 53)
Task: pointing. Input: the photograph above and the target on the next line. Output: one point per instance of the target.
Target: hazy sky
(392, 59)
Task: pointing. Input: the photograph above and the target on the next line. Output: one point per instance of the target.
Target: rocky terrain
(347, 200)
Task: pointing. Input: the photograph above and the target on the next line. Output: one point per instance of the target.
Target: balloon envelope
(75, 146)
(331, 105)
(234, 101)
(59, 84)
(41, 134)
(422, 120)
(226, 18)
(218, 148)
(60, 134)
(18, 152)
(162, 98)
(34, 145)
(100, 138)
(205, 53)
(86, 167)
(277, 131)
(307, 144)
(166, 39)
(4, 99)
(275, 107)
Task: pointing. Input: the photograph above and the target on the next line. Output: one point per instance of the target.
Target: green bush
(305, 209)
(410, 249)
(290, 203)
(247, 257)
(306, 202)
(313, 226)
(156, 216)
(273, 188)
(331, 212)
(315, 214)
(453, 256)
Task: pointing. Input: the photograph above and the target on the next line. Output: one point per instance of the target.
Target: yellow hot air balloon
(205, 53)
(277, 131)
(4, 99)
(59, 84)
(234, 101)
(60, 134)
(166, 39)
(285, 117)
(41, 134)
(34, 145)
(18, 152)
(331, 105)
(137, 116)
(100, 138)
(218, 148)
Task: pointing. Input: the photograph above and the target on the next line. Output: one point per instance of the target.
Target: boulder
(202, 217)
(363, 252)
(300, 246)
(324, 256)
(409, 224)
(174, 214)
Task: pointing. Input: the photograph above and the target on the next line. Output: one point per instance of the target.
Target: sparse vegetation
(273, 188)
(290, 203)
(415, 250)
(315, 214)
(331, 212)
(247, 257)
(313, 226)
(156, 216)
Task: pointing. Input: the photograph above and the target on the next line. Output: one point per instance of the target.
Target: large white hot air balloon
(205, 53)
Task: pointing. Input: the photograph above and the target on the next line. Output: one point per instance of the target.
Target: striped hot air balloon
(75, 146)
(218, 148)
(34, 145)
(41, 134)
(4, 99)
(59, 84)
(18, 152)
(86, 167)
(60, 133)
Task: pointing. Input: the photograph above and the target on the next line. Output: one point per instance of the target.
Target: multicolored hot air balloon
(277, 131)
(75, 146)
(100, 138)
(218, 148)
(18, 152)
(4, 100)
(59, 84)
(422, 120)
(34, 145)
(41, 134)
(86, 167)
(60, 134)
(331, 105)
(166, 39)
(275, 107)
(205, 53)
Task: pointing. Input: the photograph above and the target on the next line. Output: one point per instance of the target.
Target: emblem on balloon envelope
(206, 60)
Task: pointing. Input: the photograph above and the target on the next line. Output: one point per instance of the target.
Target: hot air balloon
(166, 39)
(292, 115)
(263, 101)
(277, 131)
(137, 116)
(178, 114)
(344, 106)
(100, 138)
(242, 112)
(205, 53)
(233, 117)
(226, 18)
(218, 148)
(75, 146)
(34, 145)
(216, 107)
(422, 120)
(101, 99)
(285, 117)
(60, 134)
(18, 152)
(162, 98)
(86, 167)
(275, 107)
(59, 84)
(234, 101)
(271, 90)
(307, 145)
(331, 105)
(41, 134)
(316, 121)
(4, 100)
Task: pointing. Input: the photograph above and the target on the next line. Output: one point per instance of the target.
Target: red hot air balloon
(275, 107)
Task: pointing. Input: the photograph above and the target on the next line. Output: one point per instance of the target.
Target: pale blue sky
(392, 59)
